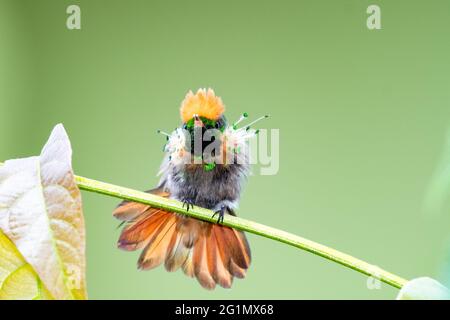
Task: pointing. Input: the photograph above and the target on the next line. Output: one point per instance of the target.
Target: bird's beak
(198, 123)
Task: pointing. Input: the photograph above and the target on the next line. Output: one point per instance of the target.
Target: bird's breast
(206, 188)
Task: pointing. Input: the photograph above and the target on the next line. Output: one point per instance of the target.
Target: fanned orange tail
(212, 253)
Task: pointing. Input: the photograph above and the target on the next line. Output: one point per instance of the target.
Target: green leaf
(423, 289)
(41, 213)
(18, 280)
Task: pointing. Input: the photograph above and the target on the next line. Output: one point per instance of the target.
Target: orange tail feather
(212, 253)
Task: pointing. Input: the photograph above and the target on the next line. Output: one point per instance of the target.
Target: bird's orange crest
(204, 103)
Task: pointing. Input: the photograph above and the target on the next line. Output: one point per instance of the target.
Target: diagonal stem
(242, 224)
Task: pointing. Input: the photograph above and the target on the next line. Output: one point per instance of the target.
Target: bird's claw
(188, 203)
(221, 213)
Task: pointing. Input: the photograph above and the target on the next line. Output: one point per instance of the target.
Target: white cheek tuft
(176, 147)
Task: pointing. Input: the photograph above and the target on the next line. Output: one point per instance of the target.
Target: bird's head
(205, 134)
(200, 112)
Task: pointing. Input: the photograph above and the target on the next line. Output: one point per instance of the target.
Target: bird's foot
(188, 203)
(221, 213)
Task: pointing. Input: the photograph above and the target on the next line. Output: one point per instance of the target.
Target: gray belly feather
(209, 189)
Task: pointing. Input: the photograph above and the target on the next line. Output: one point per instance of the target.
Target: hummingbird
(212, 253)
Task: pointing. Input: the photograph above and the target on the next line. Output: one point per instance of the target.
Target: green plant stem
(242, 224)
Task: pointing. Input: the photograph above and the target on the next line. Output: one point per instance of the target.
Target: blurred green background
(363, 118)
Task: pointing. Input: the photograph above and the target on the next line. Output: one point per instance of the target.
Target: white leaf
(40, 212)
